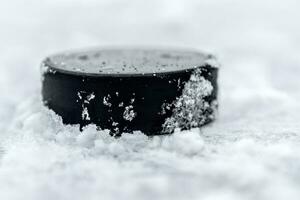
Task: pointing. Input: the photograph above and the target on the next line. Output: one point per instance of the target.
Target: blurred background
(256, 41)
(255, 36)
(257, 31)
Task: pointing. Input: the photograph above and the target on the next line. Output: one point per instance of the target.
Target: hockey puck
(124, 90)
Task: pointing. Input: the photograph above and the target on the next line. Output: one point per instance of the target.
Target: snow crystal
(85, 99)
(85, 114)
(90, 97)
(106, 100)
(129, 113)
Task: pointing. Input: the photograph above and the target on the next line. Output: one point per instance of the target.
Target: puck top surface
(126, 62)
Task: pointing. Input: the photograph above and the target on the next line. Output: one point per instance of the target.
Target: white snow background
(251, 152)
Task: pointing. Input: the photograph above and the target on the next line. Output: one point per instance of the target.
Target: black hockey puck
(124, 90)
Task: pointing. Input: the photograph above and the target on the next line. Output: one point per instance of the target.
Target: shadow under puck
(124, 90)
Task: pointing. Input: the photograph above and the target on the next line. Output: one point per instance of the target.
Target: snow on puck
(124, 90)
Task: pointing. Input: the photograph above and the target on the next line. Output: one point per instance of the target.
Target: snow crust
(191, 109)
(250, 152)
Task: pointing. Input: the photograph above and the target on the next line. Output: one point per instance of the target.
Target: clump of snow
(129, 113)
(106, 100)
(191, 109)
(85, 99)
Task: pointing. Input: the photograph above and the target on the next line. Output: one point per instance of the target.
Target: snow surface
(251, 152)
